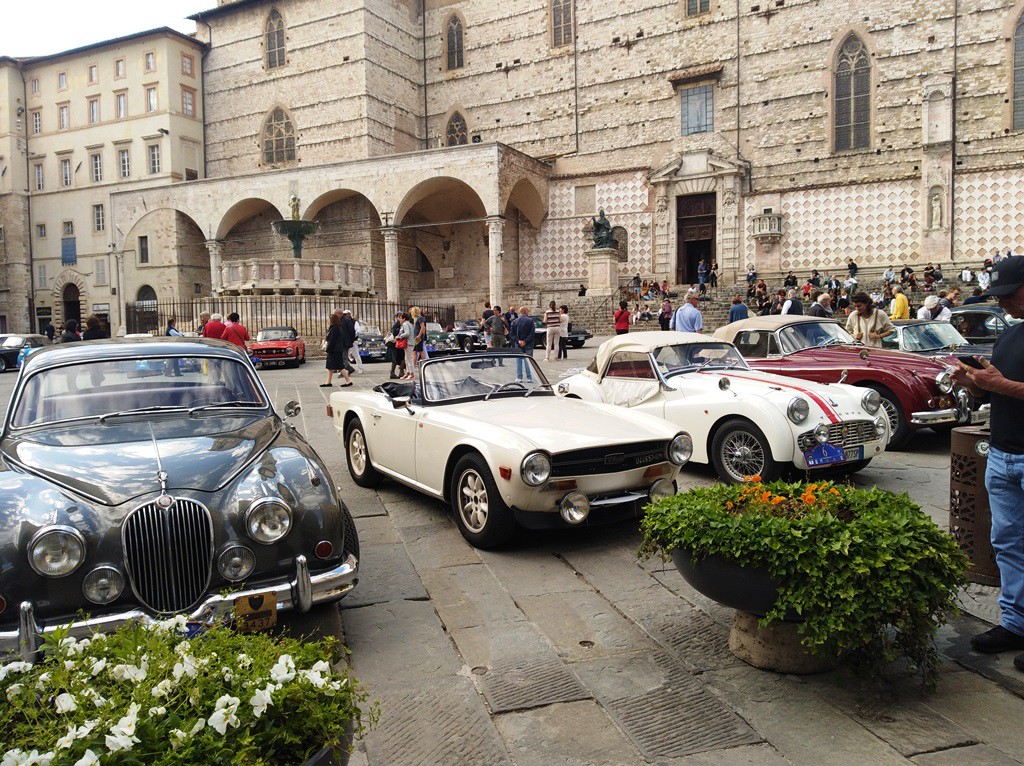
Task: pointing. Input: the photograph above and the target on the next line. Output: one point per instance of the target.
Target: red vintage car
(278, 347)
(917, 392)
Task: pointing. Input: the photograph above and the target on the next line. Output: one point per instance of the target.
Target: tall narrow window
(62, 117)
(561, 23)
(65, 172)
(1018, 75)
(188, 101)
(852, 96)
(275, 40)
(698, 105)
(151, 102)
(457, 132)
(100, 271)
(454, 43)
(62, 81)
(40, 184)
(124, 161)
(121, 105)
(98, 218)
(143, 249)
(37, 122)
(118, 69)
(96, 165)
(35, 86)
(94, 111)
(94, 74)
(278, 138)
(153, 153)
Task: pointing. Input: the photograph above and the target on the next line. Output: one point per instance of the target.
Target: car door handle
(375, 416)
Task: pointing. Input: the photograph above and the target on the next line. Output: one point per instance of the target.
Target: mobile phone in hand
(971, 361)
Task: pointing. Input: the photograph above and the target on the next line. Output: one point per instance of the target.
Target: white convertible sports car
(746, 423)
(486, 433)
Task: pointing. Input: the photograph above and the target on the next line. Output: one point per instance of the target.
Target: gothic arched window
(852, 96)
(454, 43)
(1018, 75)
(457, 132)
(275, 40)
(278, 138)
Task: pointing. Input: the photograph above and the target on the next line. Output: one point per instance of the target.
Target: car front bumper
(951, 415)
(300, 593)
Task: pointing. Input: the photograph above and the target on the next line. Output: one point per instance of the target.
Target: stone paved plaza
(564, 649)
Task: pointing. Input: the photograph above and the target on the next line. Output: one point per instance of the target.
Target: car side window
(992, 326)
(630, 364)
(753, 343)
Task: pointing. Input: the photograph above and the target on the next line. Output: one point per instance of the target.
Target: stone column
(216, 250)
(391, 264)
(495, 253)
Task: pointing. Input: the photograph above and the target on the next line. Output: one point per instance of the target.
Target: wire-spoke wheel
(358, 456)
(899, 431)
(480, 512)
(740, 450)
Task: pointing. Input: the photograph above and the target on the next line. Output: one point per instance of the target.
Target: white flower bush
(149, 695)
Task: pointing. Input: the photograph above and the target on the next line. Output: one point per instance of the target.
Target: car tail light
(506, 473)
(324, 549)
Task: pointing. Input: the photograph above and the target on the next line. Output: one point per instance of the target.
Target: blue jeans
(524, 371)
(1004, 480)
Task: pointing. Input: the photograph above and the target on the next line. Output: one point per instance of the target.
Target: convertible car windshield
(134, 386)
(797, 337)
(458, 377)
(687, 357)
(931, 337)
(275, 333)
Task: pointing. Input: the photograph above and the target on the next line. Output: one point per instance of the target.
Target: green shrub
(150, 695)
(870, 575)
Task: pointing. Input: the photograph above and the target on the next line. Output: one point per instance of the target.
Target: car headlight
(680, 449)
(103, 585)
(798, 409)
(881, 425)
(661, 489)
(56, 551)
(574, 508)
(821, 433)
(536, 469)
(871, 401)
(268, 520)
(236, 563)
(944, 382)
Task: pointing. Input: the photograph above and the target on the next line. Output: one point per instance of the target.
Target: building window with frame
(153, 153)
(41, 274)
(188, 101)
(63, 117)
(698, 109)
(35, 86)
(41, 230)
(124, 162)
(151, 102)
(278, 138)
(150, 61)
(67, 229)
(697, 7)
(274, 40)
(100, 271)
(94, 111)
(98, 222)
(562, 12)
(1018, 75)
(121, 105)
(457, 131)
(65, 172)
(143, 249)
(454, 42)
(37, 122)
(68, 251)
(188, 65)
(62, 81)
(119, 69)
(94, 74)
(38, 169)
(96, 167)
(852, 96)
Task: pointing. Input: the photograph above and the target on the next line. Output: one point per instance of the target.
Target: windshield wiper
(139, 410)
(220, 405)
(833, 342)
(537, 388)
(502, 386)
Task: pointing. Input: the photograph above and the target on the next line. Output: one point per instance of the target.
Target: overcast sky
(41, 27)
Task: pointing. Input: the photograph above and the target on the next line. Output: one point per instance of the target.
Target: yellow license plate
(253, 613)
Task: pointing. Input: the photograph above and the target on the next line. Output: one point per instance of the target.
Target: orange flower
(765, 496)
(834, 491)
(808, 497)
(777, 499)
(729, 505)
(756, 479)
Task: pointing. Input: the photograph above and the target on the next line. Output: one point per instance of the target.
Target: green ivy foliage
(868, 573)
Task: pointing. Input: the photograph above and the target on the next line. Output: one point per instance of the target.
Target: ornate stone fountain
(295, 229)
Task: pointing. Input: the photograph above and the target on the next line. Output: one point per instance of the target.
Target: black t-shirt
(1008, 411)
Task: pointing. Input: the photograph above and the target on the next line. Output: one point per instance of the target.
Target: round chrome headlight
(871, 401)
(881, 426)
(575, 507)
(103, 585)
(536, 469)
(798, 409)
(680, 449)
(661, 489)
(944, 382)
(268, 520)
(236, 563)
(821, 433)
(56, 551)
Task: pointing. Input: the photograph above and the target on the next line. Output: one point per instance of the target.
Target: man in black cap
(1003, 382)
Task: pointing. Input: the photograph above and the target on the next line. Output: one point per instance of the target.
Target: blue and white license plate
(827, 454)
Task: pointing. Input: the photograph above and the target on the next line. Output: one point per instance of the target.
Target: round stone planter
(751, 591)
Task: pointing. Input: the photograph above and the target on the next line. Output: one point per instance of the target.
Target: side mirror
(844, 376)
(400, 401)
(292, 409)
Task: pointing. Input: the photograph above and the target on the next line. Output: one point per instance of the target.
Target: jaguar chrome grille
(848, 433)
(169, 554)
(621, 457)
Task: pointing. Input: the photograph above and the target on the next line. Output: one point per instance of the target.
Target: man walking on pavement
(688, 317)
(1003, 381)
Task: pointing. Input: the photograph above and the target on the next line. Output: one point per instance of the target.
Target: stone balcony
(289, 276)
(767, 229)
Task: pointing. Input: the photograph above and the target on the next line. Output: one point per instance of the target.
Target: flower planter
(328, 756)
(746, 588)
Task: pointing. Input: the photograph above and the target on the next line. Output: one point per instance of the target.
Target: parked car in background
(468, 334)
(981, 323)
(440, 342)
(485, 433)
(743, 422)
(916, 392)
(932, 338)
(578, 336)
(278, 347)
(371, 343)
(14, 348)
(135, 498)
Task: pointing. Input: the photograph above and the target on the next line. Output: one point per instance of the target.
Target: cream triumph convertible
(744, 422)
(486, 433)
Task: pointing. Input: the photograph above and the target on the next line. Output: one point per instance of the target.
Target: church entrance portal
(695, 235)
(72, 304)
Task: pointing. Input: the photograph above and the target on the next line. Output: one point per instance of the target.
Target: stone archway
(69, 294)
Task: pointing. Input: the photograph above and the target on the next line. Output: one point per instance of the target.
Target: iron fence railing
(309, 315)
